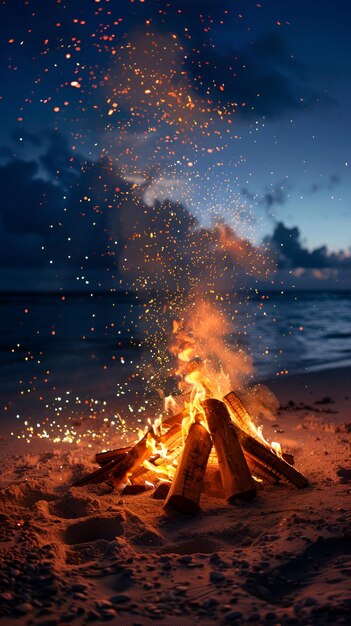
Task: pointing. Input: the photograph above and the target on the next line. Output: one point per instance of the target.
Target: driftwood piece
(236, 477)
(184, 494)
(161, 491)
(133, 490)
(271, 461)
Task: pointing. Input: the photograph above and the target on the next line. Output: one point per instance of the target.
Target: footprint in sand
(25, 494)
(71, 507)
(98, 527)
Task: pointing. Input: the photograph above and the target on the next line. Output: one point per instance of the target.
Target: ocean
(80, 356)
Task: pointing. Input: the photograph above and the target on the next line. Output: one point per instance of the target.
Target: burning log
(114, 461)
(141, 475)
(173, 423)
(260, 471)
(131, 461)
(243, 418)
(271, 461)
(119, 468)
(226, 473)
(149, 471)
(236, 477)
(213, 483)
(236, 407)
(103, 473)
(105, 457)
(259, 452)
(184, 494)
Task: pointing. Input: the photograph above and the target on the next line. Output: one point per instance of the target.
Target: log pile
(219, 456)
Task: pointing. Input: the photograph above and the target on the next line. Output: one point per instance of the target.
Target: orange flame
(203, 362)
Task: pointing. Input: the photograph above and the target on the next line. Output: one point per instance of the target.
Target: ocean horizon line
(141, 295)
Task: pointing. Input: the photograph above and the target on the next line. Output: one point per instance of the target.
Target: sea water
(72, 355)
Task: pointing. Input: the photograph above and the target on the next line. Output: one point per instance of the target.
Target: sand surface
(89, 555)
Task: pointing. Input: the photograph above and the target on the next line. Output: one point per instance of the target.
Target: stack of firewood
(222, 459)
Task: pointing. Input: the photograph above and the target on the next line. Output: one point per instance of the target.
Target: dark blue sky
(239, 110)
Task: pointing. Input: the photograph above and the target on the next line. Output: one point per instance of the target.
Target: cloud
(75, 217)
(28, 203)
(164, 248)
(292, 254)
(269, 199)
(219, 70)
(51, 152)
(332, 181)
(261, 73)
(261, 78)
(55, 213)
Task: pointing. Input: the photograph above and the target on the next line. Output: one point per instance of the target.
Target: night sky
(130, 121)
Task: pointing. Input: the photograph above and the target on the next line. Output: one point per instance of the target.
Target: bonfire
(205, 443)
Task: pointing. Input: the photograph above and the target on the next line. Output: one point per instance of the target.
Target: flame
(257, 432)
(276, 447)
(155, 446)
(166, 470)
(203, 362)
(170, 404)
(185, 355)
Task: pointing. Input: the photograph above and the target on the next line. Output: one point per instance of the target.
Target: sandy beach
(91, 555)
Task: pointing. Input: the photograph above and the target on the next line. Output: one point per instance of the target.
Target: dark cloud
(163, 247)
(51, 151)
(28, 204)
(328, 185)
(54, 210)
(292, 254)
(56, 215)
(260, 74)
(269, 199)
(86, 216)
(261, 78)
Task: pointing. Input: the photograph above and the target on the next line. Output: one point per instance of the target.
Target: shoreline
(330, 379)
